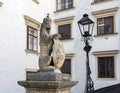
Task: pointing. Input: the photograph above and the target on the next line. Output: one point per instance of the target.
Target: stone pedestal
(47, 86)
(47, 82)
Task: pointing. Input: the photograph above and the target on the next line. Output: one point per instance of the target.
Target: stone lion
(46, 43)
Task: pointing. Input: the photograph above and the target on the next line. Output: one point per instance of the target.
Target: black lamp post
(86, 29)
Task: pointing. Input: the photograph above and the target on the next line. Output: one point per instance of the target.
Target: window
(106, 64)
(106, 67)
(65, 31)
(105, 22)
(64, 4)
(32, 39)
(32, 27)
(64, 27)
(105, 25)
(66, 68)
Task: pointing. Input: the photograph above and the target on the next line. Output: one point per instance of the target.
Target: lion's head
(47, 23)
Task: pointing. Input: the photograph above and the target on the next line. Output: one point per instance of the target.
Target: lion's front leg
(44, 63)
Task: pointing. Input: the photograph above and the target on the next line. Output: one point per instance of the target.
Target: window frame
(106, 54)
(34, 24)
(105, 31)
(105, 13)
(33, 37)
(65, 38)
(70, 56)
(113, 63)
(64, 5)
(64, 21)
(70, 65)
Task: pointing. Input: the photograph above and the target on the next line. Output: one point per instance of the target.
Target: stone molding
(64, 19)
(64, 10)
(105, 11)
(69, 56)
(106, 52)
(47, 86)
(33, 52)
(32, 22)
(100, 2)
(53, 84)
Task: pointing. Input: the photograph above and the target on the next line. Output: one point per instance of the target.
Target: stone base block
(47, 86)
(47, 76)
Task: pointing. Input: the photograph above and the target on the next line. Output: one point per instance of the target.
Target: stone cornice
(64, 19)
(106, 52)
(31, 19)
(70, 55)
(105, 11)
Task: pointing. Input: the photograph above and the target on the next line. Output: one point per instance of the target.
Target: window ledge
(69, 56)
(1, 3)
(31, 52)
(64, 10)
(107, 78)
(94, 3)
(105, 35)
(66, 39)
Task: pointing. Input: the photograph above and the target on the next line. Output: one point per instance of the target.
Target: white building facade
(20, 23)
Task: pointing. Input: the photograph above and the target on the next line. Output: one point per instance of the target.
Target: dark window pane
(105, 25)
(32, 39)
(109, 25)
(101, 30)
(110, 67)
(106, 67)
(65, 31)
(66, 68)
(101, 26)
(101, 67)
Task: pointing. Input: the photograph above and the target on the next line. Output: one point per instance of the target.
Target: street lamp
(86, 29)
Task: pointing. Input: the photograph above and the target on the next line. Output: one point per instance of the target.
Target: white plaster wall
(99, 43)
(13, 58)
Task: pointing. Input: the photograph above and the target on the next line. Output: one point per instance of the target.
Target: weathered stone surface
(47, 76)
(48, 79)
(50, 47)
(46, 44)
(47, 86)
(58, 53)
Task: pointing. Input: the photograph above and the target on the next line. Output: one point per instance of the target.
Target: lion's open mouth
(48, 28)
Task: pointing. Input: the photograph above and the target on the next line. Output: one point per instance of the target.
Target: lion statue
(46, 43)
